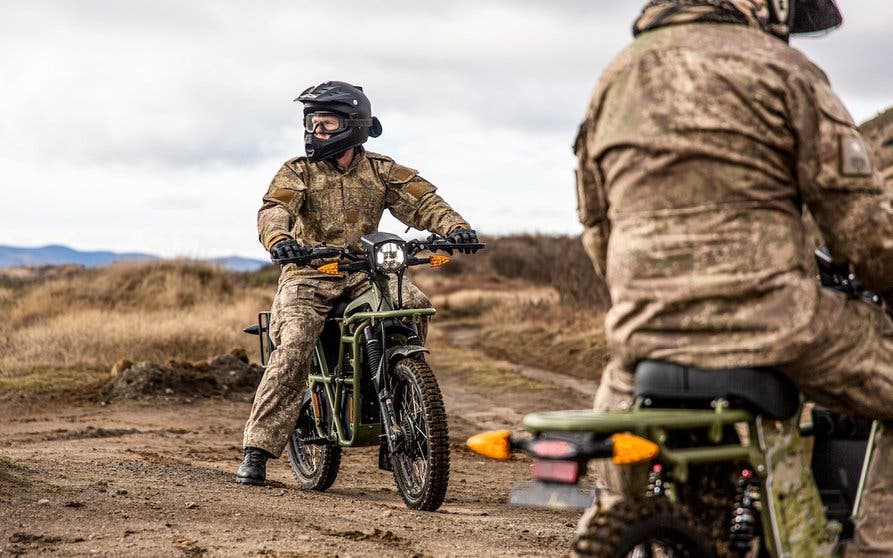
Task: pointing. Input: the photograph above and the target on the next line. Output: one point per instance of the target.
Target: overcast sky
(156, 126)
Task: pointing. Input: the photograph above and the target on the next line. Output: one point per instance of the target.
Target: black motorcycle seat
(760, 390)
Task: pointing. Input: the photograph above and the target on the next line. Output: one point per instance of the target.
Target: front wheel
(642, 528)
(314, 462)
(421, 461)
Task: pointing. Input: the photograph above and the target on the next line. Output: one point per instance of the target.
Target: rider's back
(701, 136)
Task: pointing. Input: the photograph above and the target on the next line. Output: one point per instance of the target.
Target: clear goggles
(332, 123)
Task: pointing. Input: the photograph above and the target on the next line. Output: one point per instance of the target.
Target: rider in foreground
(334, 195)
(702, 143)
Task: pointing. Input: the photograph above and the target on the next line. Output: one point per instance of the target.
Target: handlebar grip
(316, 254)
(442, 244)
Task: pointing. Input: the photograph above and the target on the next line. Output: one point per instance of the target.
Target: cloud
(156, 125)
(175, 85)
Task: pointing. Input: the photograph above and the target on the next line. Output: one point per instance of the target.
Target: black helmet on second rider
(341, 112)
(806, 16)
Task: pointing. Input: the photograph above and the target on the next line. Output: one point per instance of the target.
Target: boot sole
(249, 480)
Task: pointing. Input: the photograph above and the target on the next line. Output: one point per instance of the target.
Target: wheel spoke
(314, 464)
(421, 463)
(411, 416)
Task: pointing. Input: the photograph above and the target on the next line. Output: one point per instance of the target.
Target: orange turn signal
(437, 260)
(495, 444)
(629, 449)
(329, 268)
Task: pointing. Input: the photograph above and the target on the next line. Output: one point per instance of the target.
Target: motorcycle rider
(703, 140)
(334, 195)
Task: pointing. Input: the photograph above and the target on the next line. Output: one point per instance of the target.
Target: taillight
(554, 449)
(552, 470)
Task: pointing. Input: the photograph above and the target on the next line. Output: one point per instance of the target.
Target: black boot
(253, 469)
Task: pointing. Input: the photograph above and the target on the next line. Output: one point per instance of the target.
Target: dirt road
(156, 479)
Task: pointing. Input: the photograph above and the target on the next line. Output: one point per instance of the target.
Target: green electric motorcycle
(369, 384)
(714, 456)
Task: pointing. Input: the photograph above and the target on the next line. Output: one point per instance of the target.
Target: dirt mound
(223, 375)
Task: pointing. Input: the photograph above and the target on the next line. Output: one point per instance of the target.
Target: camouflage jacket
(318, 203)
(701, 145)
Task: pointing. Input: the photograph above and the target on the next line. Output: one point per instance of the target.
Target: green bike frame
(767, 447)
(342, 386)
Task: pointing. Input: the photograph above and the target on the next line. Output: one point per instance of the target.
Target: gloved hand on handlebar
(461, 235)
(289, 248)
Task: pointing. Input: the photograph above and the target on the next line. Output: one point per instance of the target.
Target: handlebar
(357, 256)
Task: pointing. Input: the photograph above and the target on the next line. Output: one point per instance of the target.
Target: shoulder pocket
(831, 105)
(401, 175)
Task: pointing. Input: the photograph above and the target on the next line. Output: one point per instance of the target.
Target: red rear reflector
(556, 449)
(556, 471)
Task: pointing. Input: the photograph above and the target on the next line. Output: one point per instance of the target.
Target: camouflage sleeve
(879, 133)
(592, 208)
(841, 186)
(412, 200)
(283, 200)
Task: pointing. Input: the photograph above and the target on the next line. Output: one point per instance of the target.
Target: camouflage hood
(752, 13)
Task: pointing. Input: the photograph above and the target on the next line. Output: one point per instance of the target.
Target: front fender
(401, 351)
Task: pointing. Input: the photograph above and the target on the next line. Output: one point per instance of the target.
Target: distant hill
(13, 256)
(238, 263)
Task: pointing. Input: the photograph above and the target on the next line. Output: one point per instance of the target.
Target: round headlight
(390, 256)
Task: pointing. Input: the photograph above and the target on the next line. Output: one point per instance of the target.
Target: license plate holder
(541, 494)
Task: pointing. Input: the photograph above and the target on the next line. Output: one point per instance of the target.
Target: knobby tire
(616, 532)
(314, 466)
(411, 377)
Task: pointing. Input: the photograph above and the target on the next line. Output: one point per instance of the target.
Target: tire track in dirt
(489, 407)
(129, 479)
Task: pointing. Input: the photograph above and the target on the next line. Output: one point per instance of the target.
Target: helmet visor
(331, 123)
(814, 16)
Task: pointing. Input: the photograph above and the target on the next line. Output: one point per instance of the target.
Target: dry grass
(477, 301)
(483, 372)
(554, 261)
(63, 330)
(555, 324)
(557, 338)
(64, 327)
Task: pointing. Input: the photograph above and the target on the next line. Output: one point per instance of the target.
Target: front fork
(375, 357)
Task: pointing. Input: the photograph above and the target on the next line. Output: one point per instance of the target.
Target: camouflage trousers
(848, 368)
(298, 316)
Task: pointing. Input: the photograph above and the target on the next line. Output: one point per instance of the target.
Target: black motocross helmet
(353, 116)
(806, 16)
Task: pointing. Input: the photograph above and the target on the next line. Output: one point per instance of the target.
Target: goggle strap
(357, 121)
(344, 123)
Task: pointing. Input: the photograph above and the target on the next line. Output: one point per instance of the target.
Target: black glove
(462, 235)
(288, 248)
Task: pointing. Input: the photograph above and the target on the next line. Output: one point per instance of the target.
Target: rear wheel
(643, 528)
(314, 462)
(421, 462)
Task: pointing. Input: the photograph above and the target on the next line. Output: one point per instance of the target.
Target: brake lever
(448, 247)
(414, 246)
